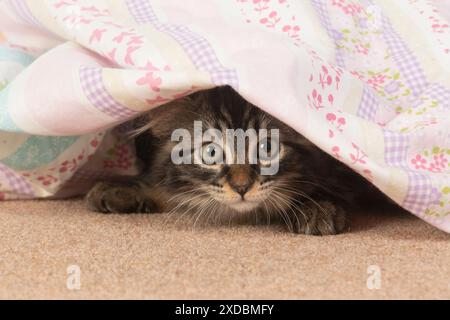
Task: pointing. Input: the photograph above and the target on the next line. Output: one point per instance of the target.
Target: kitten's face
(214, 182)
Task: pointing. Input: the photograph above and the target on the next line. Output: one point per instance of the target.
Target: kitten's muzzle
(241, 178)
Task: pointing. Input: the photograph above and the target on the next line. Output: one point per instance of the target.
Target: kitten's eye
(268, 149)
(212, 154)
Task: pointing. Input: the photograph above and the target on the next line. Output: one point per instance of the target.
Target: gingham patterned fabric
(368, 81)
(97, 94)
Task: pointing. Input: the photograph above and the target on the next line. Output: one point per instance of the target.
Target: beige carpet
(147, 257)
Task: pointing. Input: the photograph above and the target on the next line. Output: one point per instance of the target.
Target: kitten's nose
(241, 189)
(240, 179)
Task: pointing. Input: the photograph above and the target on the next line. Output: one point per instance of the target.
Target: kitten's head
(218, 182)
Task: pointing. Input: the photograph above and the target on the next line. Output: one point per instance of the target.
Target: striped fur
(309, 192)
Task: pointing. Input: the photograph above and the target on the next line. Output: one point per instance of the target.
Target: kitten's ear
(141, 125)
(214, 96)
(162, 120)
(180, 113)
(200, 99)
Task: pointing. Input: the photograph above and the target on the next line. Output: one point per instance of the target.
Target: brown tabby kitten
(309, 191)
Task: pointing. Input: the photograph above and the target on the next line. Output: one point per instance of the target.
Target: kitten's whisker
(267, 211)
(283, 214)
(212, 211)
(300, 193)
(322, 217)
(287, 189)
(188, 199)
(303, 195)
(290, 182)
(289, 203)
(182, 204)
(183, 193)
(193, 205)
(204, 206)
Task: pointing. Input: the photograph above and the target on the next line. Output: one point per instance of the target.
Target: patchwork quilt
(368, 81)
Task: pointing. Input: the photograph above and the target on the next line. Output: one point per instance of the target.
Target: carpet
(152, 257)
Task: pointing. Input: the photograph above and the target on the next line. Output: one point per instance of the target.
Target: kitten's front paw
(321, 218)
(117, 198)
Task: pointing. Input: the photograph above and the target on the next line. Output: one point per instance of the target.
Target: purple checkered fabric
(440, 93)
(23, 12)
(406, 61)
(143, 12)
(324, 17)
(419, 195)
(396, 147)
(94, 89)
(369, 105)
(198, 48)
(18, 184)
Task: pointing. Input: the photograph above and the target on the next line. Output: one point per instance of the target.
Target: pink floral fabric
(366, 80)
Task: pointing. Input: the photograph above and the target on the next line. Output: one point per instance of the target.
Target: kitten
(309, 191)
